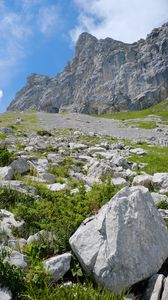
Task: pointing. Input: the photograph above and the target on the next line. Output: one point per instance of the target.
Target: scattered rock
(58, 265)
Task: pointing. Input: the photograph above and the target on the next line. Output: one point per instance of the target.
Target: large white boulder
(126, 242)
(58, 265)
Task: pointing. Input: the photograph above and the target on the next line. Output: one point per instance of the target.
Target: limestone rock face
(105, 75)
(126, 242)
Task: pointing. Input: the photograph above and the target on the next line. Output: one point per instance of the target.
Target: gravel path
(113, 128)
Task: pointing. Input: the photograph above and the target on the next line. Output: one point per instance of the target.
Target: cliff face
(105, 76)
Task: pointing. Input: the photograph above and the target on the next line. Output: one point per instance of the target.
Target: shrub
(5, 157)
(162, 204)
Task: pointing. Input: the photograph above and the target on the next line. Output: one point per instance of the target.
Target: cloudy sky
(38, 36)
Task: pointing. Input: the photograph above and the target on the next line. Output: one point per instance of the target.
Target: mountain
(105, 75)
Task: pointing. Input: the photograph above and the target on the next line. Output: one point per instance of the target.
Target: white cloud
(1, 94)
(126, 20)
(49, 20)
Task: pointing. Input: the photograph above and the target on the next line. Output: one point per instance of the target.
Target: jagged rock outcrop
(105, 75)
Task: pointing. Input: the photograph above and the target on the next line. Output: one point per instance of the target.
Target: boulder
(6, 173)
(42, 235)
(160, 181)
(144, 179)
(55, 187)
(7, 222)
(119, 181)
(96, 170)
(58, 265)
(47, 177)
(20, 166)
(126, 242)
(15, 258)
(159, 197)
(138, 151)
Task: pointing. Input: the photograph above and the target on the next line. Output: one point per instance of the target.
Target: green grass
(5, 157)
(160, 109)
(29, 120)
(144, 124)
(58, 212)
(156, 159)
(3, 136)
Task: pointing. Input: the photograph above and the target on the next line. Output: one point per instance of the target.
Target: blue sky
(38, 36)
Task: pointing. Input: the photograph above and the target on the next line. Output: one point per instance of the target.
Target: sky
(39, 36)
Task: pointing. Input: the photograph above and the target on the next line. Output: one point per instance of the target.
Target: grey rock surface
(126, 242)
(16, 258)
(5, 294)
(58, 265)
(105, 75)
(8, 221)
(165, 291)
(6, 173)
(20, 166)
(154, 288)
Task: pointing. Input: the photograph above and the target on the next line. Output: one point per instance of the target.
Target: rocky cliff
(106, 75)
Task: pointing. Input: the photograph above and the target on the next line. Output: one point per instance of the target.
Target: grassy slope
(160, 109)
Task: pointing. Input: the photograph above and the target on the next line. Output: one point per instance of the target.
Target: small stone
(58, 265)
(55, 187)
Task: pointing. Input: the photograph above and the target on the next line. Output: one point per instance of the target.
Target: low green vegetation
(162, 204)
(28, 120)
(160, 109)
(143, 124)
(63, 170)
(5, 157)
(3, 136)
(59, 213)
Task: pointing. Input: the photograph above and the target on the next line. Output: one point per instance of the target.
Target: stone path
(114, 128)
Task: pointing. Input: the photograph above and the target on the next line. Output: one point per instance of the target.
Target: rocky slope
(105, 75)
(96, 192)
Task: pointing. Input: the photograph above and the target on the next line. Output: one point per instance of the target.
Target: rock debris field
(82, 197)
(113, 128)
